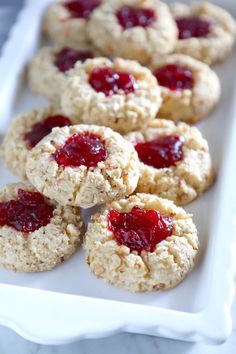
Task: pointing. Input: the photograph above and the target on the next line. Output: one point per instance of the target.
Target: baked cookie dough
(142, 243)
(66, 21)
(175, 162)
(48, 69)
(83, 165)
(206, 31)
(25, 132)
(133, 29)
(190, 89)
(36, 233)
(120, 94)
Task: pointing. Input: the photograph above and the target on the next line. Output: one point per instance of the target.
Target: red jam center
(110, 82)
(81, 8)
(42, 129)
(81, 149)
(27, 213)
(162, 152)
(174, 77)
(192, 27)
(67, 57)
(129, 17)
(140, 229)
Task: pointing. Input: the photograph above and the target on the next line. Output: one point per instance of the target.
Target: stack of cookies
(124, 80)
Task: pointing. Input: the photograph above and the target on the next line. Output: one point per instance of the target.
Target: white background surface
(132, 344)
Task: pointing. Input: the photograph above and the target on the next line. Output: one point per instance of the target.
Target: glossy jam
(162, 152)
(174, 77)
(139, 229)
(67, 57)
(192, 27)
(129, 17)
(110, 82)
(27, 213)
(81, 149)
(42, 129)
(81, 8)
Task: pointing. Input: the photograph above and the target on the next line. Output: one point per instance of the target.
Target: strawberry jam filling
(192, 27)
(67, 57)
(42, 129)
(165, 151)
(129, 17)
(110, 82)
(81, 149)
(139, 229)
(81, 8)
(27, 213)
(174, 77)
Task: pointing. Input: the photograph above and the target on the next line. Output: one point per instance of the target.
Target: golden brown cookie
(48, 69)
(133, 29)
(25, 132)
(66, 22)
(83, 165)
(119, 94)
(206, 31)
(175, 162)
(142, 243)
(190, 89)
(36, 233)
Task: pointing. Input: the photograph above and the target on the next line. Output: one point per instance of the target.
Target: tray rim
(203, 326)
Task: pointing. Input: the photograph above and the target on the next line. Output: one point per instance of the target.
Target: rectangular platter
(69, 303)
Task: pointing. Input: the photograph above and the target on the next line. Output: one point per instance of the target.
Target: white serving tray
(68, 302)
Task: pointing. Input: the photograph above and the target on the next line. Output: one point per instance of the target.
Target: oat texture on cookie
(175, 162)
(83, 165)
(48, 69)
(66, 22)
(206, 32)
(36, 233)
(190, 89)
(120, 94)
(25, 132)
(155, 248)
(133, 29)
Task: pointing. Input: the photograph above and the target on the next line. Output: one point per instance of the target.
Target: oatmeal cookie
(48, 69)
(83, 165)
(190, 89)
(175, 162)
(121, 94)
(133, 29)
(25, 132)
(66, 22)
(36, 234)
(206, 31)
(142, 243)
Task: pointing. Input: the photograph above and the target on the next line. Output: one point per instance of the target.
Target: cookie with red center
(119, 94)
(205, 31)
(66, 22)
(142, 243)
(190, 89)
(25, 132)
(133, 29)
(83, 165)
(175, 162)
(36, 233)
(48, 69)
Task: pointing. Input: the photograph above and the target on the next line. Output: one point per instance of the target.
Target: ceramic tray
(69, 303)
